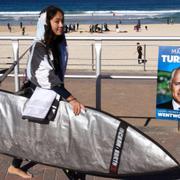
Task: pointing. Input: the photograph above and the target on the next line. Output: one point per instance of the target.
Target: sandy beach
(116, 55)
(125, 30)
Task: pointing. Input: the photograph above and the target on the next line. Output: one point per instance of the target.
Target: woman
(47, 64)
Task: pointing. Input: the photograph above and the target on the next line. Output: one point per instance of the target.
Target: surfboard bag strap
(117, 148)
(38, 107)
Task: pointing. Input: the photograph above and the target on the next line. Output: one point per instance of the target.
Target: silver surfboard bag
(92, 142)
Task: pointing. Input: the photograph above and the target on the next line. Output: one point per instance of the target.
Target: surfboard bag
(92, 142)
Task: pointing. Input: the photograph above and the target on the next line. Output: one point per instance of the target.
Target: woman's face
(57, 23)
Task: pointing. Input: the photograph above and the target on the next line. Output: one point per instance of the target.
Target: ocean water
(93, 11)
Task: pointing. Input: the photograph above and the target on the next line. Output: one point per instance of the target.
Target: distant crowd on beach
(100, 28)
(170, 21)
(93, 28)
(71, 27)
(21, 27)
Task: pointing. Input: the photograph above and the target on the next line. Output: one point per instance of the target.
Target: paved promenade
(130, 100)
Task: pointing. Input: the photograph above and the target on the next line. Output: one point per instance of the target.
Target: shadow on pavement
(172, 174)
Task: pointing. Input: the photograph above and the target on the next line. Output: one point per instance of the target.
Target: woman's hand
(77, 106)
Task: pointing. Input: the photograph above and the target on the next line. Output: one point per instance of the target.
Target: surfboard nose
(143, 155)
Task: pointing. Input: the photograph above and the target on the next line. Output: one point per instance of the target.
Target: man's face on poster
(175, 87)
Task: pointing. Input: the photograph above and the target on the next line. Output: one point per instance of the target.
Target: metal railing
(97, 41)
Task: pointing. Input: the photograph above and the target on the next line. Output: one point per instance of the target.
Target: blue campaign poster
(168, 83)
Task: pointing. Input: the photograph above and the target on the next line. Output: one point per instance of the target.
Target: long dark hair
(50, 39)
(49, 36)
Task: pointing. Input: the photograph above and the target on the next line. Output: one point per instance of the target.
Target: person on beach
(23, 30)
(139, 51)
(47, 65)
(77, 26)
(9, 27)
(139, 24)
(174, 86)
(117, 28)
(21, 25)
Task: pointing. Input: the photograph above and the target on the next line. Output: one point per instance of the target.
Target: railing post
(98, 47)
(15, 45)
(92, 50)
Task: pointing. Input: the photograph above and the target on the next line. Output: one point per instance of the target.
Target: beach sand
(116, 55)
(153, 30)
